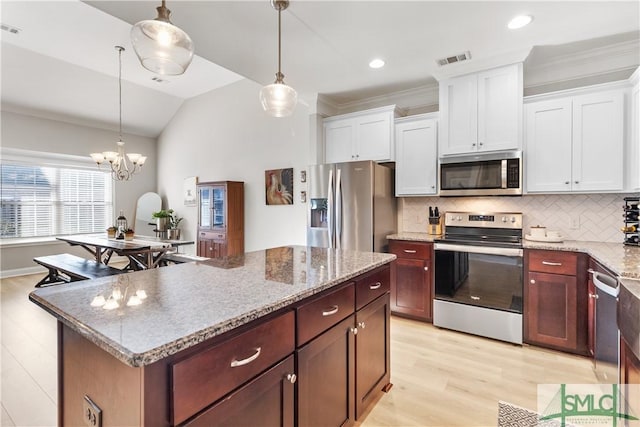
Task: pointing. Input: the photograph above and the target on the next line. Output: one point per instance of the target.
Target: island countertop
(189, 303)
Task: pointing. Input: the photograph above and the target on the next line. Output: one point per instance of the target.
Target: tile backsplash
(598, 217)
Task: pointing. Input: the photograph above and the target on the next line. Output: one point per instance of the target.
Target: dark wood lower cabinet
(268, 398)
(326, 377)
(551, 309)
(372, 352)
(412, 279)
(630, 379)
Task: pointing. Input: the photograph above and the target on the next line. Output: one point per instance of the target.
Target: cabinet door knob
(567, 182)
(533, 282)
(576, 182)
(354, 331)
(433, 186)
(473, 145)
(361, 325)
(426, 268)
(291, 378)
(594, 296)
(480, 144)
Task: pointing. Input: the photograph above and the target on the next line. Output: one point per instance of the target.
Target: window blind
(43, 201)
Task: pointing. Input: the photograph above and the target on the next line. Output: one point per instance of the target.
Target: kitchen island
(227, 341)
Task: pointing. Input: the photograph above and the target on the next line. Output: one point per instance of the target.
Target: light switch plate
(91, 413)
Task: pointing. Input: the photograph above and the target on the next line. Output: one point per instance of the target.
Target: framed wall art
(189, 191)
(279, 186)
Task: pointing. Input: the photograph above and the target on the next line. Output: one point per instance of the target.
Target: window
(43, 200)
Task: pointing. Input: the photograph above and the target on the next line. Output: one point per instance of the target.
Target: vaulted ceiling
(68, 67)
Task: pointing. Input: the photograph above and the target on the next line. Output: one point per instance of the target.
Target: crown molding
(418, 98)
(587, 63)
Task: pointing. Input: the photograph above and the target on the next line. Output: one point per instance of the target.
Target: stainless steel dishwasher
(606, 344)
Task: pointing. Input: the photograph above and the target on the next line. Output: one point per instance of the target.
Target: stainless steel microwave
(490, 174)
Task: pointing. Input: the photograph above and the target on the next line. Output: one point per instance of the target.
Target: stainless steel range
(478, 275)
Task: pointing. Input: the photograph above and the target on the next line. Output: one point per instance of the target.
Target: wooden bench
(65, 268)
(176, 258)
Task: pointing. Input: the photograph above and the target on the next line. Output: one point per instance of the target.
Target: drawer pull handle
(236, 363)
(410, 251)
(292, 378)
(375, 286)
(555, 264)
(333, 310)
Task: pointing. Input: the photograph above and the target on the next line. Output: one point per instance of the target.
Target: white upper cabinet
(575, 143)
(416, 155)
(633, 147)
(481, 111)
(365, 135)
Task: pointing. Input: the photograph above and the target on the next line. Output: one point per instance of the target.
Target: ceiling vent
(9, 29)
(455, 58)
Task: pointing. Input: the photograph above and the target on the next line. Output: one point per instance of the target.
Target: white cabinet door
(339, 139)
(458, 115)
(548, 146)
(633, 152)
(416, 157)
(598, 129)
(500, 109)
(374, 137)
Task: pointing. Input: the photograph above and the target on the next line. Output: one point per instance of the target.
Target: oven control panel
(489, 220)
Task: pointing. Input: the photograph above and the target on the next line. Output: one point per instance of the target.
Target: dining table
(143, 252)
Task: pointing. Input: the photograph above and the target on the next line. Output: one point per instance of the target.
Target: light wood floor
(440, 377)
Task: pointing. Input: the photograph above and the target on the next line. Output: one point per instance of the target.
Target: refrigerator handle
(330, 208)
(338, 210)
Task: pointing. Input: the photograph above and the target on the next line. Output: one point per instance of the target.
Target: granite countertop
(416, 237)
(188, 303)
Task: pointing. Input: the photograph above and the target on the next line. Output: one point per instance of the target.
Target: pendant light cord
(120, 49)
(279, 41)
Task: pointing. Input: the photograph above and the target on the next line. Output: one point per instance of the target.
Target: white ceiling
(326, 48)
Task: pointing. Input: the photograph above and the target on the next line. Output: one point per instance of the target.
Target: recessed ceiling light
(376, 63)
(519, 21)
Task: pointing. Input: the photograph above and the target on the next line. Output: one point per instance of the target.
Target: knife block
(435, 225)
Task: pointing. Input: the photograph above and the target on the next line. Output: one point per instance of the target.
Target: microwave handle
(503, 172)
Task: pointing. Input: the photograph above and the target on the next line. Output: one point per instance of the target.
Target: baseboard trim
(4, 274)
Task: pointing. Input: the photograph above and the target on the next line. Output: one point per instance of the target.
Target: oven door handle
(478, 249)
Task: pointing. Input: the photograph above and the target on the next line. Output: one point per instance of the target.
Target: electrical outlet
(91, 413)
(575, 223)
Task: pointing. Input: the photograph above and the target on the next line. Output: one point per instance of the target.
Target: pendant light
(278, 99)
(161, 46)
(123, 165)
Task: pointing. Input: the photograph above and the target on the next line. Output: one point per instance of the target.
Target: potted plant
(174, 222)
(111, 232)
(163, 219)
(128, 234)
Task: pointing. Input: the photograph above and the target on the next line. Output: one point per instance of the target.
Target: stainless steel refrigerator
(351, 206)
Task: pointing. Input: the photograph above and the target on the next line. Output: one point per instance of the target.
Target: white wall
(225, 135)
(37, 134)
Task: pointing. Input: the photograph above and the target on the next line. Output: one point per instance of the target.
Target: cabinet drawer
(205, 377)
(322, 313)
(555, 262)
(415, 250)
(211, 235)
(372, 286)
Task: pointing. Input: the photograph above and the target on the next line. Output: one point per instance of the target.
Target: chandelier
(161, 46)
(278, 99)
(123, 165)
